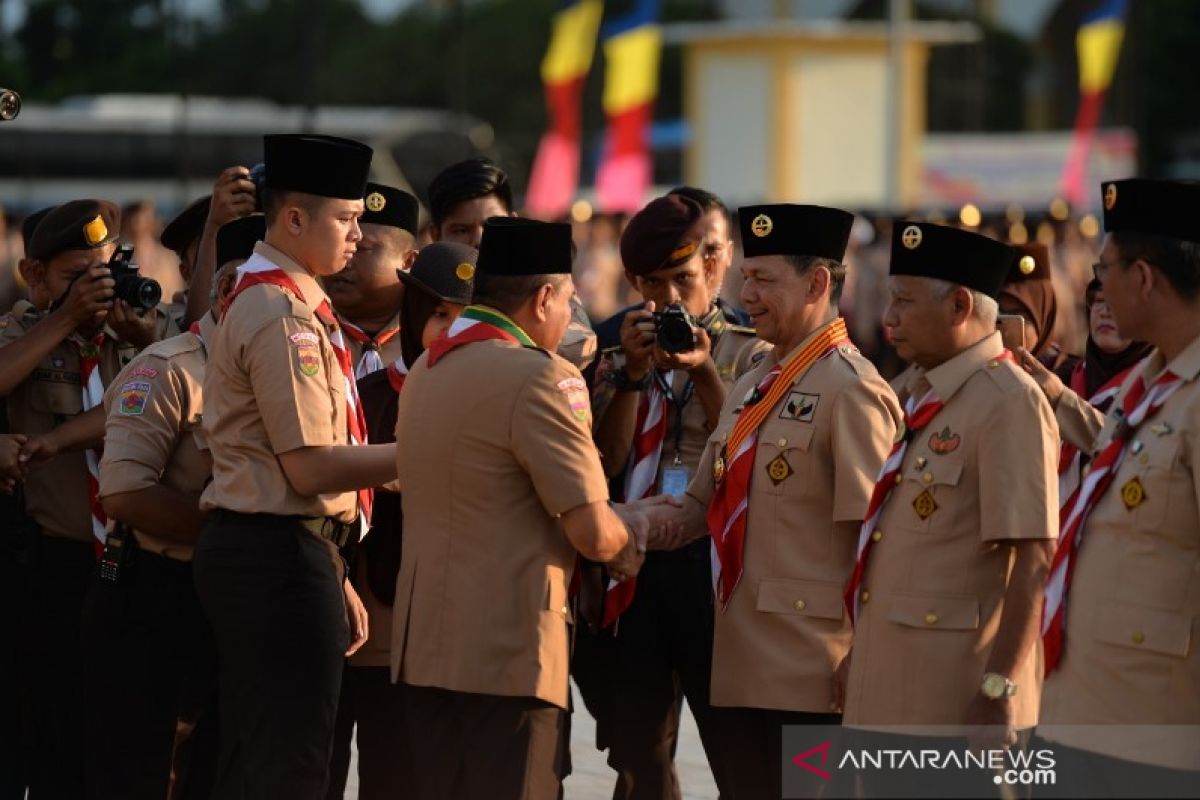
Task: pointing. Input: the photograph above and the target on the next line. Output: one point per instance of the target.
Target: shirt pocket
(802, 598)
(55, 397)
(1147, 489)
(929, 499)
(1148, 630)
(934, 611)
(781, 459)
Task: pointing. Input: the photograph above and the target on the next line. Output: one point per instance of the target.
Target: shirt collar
(1186, 365)
(314, 294)
(948, 377)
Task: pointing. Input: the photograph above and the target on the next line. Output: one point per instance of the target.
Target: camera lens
(10, 105)
(674, 332)
(141, 293)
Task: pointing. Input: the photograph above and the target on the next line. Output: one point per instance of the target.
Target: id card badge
(675, 481)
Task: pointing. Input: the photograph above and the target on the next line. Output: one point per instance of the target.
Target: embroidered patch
(779, 470)
(576, 393)
(305, 336)
(925, 505)
(1133, 494)
(144, 372)
(800, 406)
(134, 396)
(944, 442)
(308, 358)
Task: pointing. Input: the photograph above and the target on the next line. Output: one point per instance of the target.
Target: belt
(327, 528)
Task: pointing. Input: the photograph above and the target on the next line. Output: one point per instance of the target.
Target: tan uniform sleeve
(1018, 469)
(1079, 422)
(142, 426)
(286, 364)
(748, 357)
(865, 415)
(552, 439)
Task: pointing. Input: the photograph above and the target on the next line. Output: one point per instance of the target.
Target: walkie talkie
(117, 547)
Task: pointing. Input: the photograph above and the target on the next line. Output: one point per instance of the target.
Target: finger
(234, 173)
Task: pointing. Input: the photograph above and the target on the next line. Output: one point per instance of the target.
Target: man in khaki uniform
(151, 724)
(496, 463)
(366, 294)
(948, 584)
(58, 355)
(1121, 704)
(290, 477)
(784, 496)
(651, 645)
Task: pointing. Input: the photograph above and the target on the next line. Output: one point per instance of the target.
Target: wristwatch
(619, 379)
(995, 686)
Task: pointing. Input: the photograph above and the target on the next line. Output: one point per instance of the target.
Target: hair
(467, 180)
(275, 200)
(706, 199)
(1177, 259)
(508, 293)
(837, 273)
(984, 308)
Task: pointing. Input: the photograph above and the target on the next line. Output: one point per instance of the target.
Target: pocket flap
(945, 612)
(1167, 632)
(942, 471)
(803, 598)
(798, 437)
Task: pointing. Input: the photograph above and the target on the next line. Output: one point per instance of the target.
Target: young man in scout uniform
(151, 723)
(1121, 704)
(366, 294)
(783, 486)
(502, 486)
(655, 410)
(717, 247)
(58, 355)
(953, 552)
(291, 472)
(182, 237)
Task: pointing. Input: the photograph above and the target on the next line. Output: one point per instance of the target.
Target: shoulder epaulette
(741, 329)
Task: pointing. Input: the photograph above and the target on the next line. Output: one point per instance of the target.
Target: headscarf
(1101, 367)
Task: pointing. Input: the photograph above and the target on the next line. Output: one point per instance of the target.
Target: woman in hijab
(1029, 293)
(436, 290)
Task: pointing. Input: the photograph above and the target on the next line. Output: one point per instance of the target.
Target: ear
(225, 285)
(818, 286)
(294, 219)
(633, 281)
(1146, 276)
(408, 259)
(541, 302)
(706, 265)
(959, 305)
(33, 272)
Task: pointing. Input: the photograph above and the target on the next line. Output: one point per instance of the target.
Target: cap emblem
(761, 226)
(465, 271)
(95, 231)
(1110, 196)
(1027, 265)
(911, 238)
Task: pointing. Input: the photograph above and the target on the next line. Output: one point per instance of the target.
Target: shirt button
(931, 618)
(876, 536)
(1138, 637)
(864, 597)
(899, 479)
(927, 478)
(783, 442)
(800, 605)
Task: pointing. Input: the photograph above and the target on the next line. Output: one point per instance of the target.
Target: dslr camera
(673, 329)
(141, 293)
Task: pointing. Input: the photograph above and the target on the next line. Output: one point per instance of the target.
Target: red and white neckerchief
(1137, 406)
(1070, 460)
(371, 345)
(641, 473)
(734, 464)
(259, 269)
(93, 395)
(397, 373)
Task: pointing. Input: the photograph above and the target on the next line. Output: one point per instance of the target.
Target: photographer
(58, 355)
(664, 372)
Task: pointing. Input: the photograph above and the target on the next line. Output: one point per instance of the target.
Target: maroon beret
(77, 225)
(664, 234)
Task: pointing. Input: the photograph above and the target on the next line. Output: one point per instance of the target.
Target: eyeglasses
(1100, 268)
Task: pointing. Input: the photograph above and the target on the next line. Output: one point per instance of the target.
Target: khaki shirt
(1132, 651)
(784, 631)
(56, 493)
(984, 473)
(272, 385)
(494, 444)
(152, 434)
(1078, 420)
(388, 352)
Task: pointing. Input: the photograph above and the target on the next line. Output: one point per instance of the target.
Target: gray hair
(985, 308)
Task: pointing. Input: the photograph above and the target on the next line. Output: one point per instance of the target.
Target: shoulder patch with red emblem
(133, 398)
(308, 352)
(575, 390)
(144, 372)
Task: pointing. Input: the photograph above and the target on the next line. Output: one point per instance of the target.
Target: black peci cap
(445, 270)
(1160, 208)
(794, 230)
(326, 166)
(386, 205)
(1031, 262)
(925, 250)
(516, 246)
(236, 239)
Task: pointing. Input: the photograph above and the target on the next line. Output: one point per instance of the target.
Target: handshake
(655, 523)
(18, 453)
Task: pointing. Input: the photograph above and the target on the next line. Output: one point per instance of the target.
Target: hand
(138, 328)
(637, 340)
(38, 450)
(840, 676)
(689, 360)
(11, 469)
(90, 297)
(627, 562)
(1050, 384)
(232, 197)
(356, 615)
(668, 522)
(990, 723)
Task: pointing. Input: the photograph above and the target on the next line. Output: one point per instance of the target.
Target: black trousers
(750, 748)
(484, 746)
(58, 579)
(635, 682)
(1080, 773)
(373, 704)
(15, 677)
(273, 594)
(150, 722)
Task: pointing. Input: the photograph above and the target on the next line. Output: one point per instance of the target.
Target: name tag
(675, 481)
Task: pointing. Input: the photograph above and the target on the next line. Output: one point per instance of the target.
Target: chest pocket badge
(1133, 494)
(925, 505)
(800, 406)
(779, 470)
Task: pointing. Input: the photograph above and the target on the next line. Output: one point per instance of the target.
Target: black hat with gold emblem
(664, 234)
(77, 225)
(30, 223)
(925, 250)
(187, 226)
(236, 239)
(386, 205)
(445, 270)
(326, 166)
(1160, 208)
(793, 230)
(1031, 263)
(516, 246)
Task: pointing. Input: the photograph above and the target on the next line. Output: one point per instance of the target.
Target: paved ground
(592, 778)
